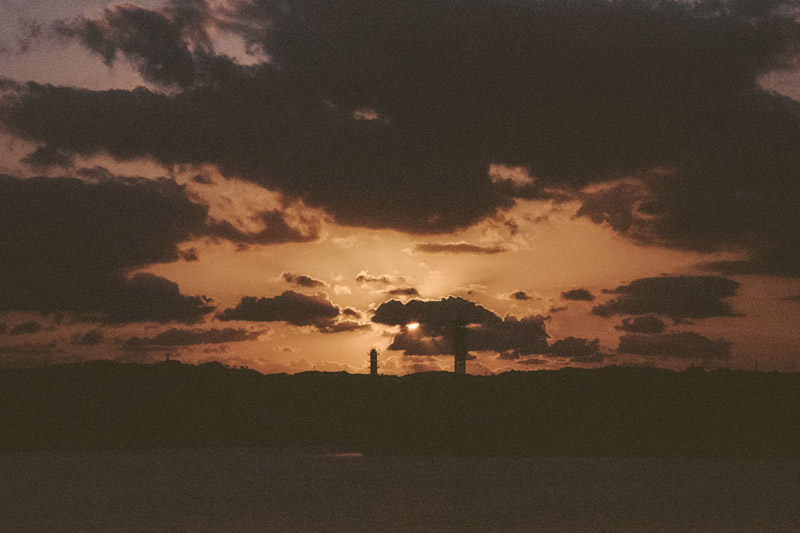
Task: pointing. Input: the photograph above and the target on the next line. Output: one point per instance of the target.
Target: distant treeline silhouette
(606, 412)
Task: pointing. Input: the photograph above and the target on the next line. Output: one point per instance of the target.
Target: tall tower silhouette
(373, 362)
(460, 349)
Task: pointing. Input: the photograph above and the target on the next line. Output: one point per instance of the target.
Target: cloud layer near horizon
(482, 329)
(673, 296)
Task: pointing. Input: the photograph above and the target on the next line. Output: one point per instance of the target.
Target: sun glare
(412, 326)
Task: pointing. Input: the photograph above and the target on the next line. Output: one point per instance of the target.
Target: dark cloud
(276, 230)
(68, 244)
(189, 337)
(436, 313)
(642, 324)
(574, 347)
(389, 114)
(438, 319)
(351, 312)
(147, 297)
(344, 326)
(458, 248)
(26, 328)
(402, 291)
(89, 338)
(616, 205)
(674, 296)
(531, 361)
(508, 355)
(150, 40)
(45, 157)
(524, 336)
(794, 298)
(588, 359)
(189, 254)
(301, 280)
(202, 179)
(422, 344)
(770, 265)
(73, 225)
(292, 307)
(685, 345)
(385, 279)
(520, 295)
(30, 30)
(578, 295)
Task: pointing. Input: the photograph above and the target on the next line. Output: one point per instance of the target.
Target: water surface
(246, 490)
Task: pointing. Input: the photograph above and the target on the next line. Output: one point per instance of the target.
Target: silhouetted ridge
(605, 412)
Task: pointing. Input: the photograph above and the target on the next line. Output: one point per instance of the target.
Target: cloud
(674, 296)
(147, 297)
(344, 326)
(588, 359)
(642, 324)
(301, 280)
(400, 365)
(189, 254)
(515, 295)
(402, 291)
(578, 295)
(351, 312)
(437, 313)
(458, 248)
(531, 361)
(26, 328)
(45, 157)
(151, 40)
(684, 345)
(90, 338)
(421, 344)
(71, 244)
(68, 245)
(291, 307)
(276, 229)
(485, 331)
(188, 337)
(567, 92)
(524, 336)
(618, 205)
(385, 279)
(574, 347)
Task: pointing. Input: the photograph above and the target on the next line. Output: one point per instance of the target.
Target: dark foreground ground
(611, 412)
(172, 447)
(251, 490)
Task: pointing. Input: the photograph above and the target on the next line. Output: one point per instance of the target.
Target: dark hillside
(606, 412)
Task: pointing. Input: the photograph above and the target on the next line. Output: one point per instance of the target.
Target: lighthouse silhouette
(373, 362)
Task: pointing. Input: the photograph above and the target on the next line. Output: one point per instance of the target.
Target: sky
(284, 185)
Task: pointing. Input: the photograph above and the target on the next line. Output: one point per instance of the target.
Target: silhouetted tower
(460, 349)
(373, 362)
